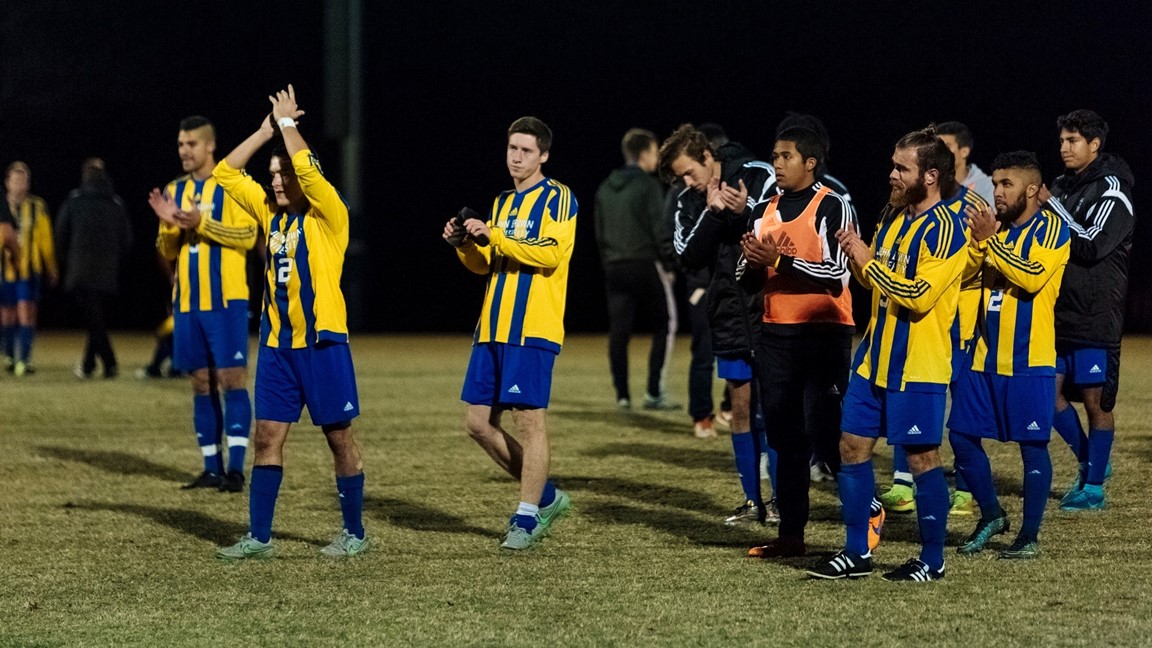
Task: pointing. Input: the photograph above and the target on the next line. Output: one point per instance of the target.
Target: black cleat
(843, 565)
(205, 480)
(915, 571)
(232, 482)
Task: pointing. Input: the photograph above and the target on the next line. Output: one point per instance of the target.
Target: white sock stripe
(210, 450)
(237, 441)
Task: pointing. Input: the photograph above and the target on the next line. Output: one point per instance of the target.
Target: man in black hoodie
(711, 217)
(636, 250)
(94, 236)
(1094, 196)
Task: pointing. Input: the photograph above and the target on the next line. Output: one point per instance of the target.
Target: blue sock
(526, 516)
(262, 493)
(351, 491)
(857, 485)
(1037, 483)
(1099, 454)
(901, 473)
(9, 335)
(1068, 426)
(238, 423)
(772, 459)
(932, 506)
(549, 494)
(972, 463)
(961, 482)
(26, 335)
(204, 422)
(747, 464)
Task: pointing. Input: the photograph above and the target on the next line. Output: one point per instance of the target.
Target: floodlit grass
(99, 546)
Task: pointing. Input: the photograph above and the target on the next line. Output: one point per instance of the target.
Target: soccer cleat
(915, 571)
(875, 528)
(782, 547)
(819, 472)
(518, 538)
(248, 547)
(984, 531)
(623, 404)
(232, 482)
(78, 371)
(723, 420)
(703, 429)
(661, 402)
(346, 545)
(843, 565)
(204, 480)
(559, 507)
(746, 513)
(772, 512)
(1089, 498)
(899, 499)
(962, 504)
(20, 368)
(1021, 549)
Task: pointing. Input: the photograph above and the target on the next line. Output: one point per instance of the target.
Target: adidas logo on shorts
(239, 355)
(1033, 426)
(348, 406)
(915, 429)
(514, 389)
(1095, 369)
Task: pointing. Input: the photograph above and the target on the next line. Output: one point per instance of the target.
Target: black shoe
(916, 571)
(205, 480)
(111, 372)
(843, 565)
(747, 513)
(232, 482)
(985, 529)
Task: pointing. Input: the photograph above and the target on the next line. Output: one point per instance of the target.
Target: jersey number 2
(283, 270)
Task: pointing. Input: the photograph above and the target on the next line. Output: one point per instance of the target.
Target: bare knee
(232, 378)
(478, 421)
(855, 449)
(201, 382)
(921, 459)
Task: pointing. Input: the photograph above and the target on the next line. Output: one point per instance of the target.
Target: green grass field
(99, 546)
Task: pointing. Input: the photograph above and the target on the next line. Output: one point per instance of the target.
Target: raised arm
(1048, 253)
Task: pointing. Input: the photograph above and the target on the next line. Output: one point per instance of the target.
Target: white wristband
(286, 122)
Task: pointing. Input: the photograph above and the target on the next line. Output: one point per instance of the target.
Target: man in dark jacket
(711, 217)
(636, 250)
(95, 236)
(1094, 196)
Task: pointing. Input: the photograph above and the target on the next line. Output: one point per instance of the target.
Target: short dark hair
(959, 131)
(808, 143)
(194, 122)
(534, 127)
(635, 142)
(811, 122)
(932, 153)
(1025, 160)
(715, 133)
(93, 171)
(685, 140)
(1085, 122)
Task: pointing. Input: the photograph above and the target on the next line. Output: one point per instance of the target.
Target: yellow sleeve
(934, 274)
(1029, 274)
(234, 229)
(858, 273)
(326, 201)
(557, 235)
(244, 190)
(975, 260)
(475, 258)
(44, 240)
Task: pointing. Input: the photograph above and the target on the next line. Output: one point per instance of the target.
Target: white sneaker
(703, 429)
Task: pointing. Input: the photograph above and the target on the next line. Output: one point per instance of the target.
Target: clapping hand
(854, 246)
(982, 223)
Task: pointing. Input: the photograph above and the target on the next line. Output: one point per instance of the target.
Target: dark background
(442, 81)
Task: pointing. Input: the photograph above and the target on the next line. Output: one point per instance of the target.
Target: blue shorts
(738, 369)
(8, 294)
(21, 290)
(1005, 408)
(217, 338)
(320, 377)
(508, 376)
(904, 417)
(1082, 366)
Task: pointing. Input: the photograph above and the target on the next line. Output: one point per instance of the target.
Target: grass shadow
(693, 459)
(416, 517)
(704, 532)
(636, 420)
(194, 523)
(645, 493)
(117, 463)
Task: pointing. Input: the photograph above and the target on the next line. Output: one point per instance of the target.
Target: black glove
(464, 214)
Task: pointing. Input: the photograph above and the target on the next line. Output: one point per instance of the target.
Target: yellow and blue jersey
(34, 235)
(914, 277)
(1023, 267)
(533, 233)
(210, 260)
(964, 328)
(303, 303)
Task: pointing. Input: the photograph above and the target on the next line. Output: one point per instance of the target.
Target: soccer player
(959, 140)
(636, 251)
(806, 336)
(304, 357)
(1004, 390)
(904, 364)
(26, 272)
(524, 247)
(712, 215)
(209, 302)
(1094, 196)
